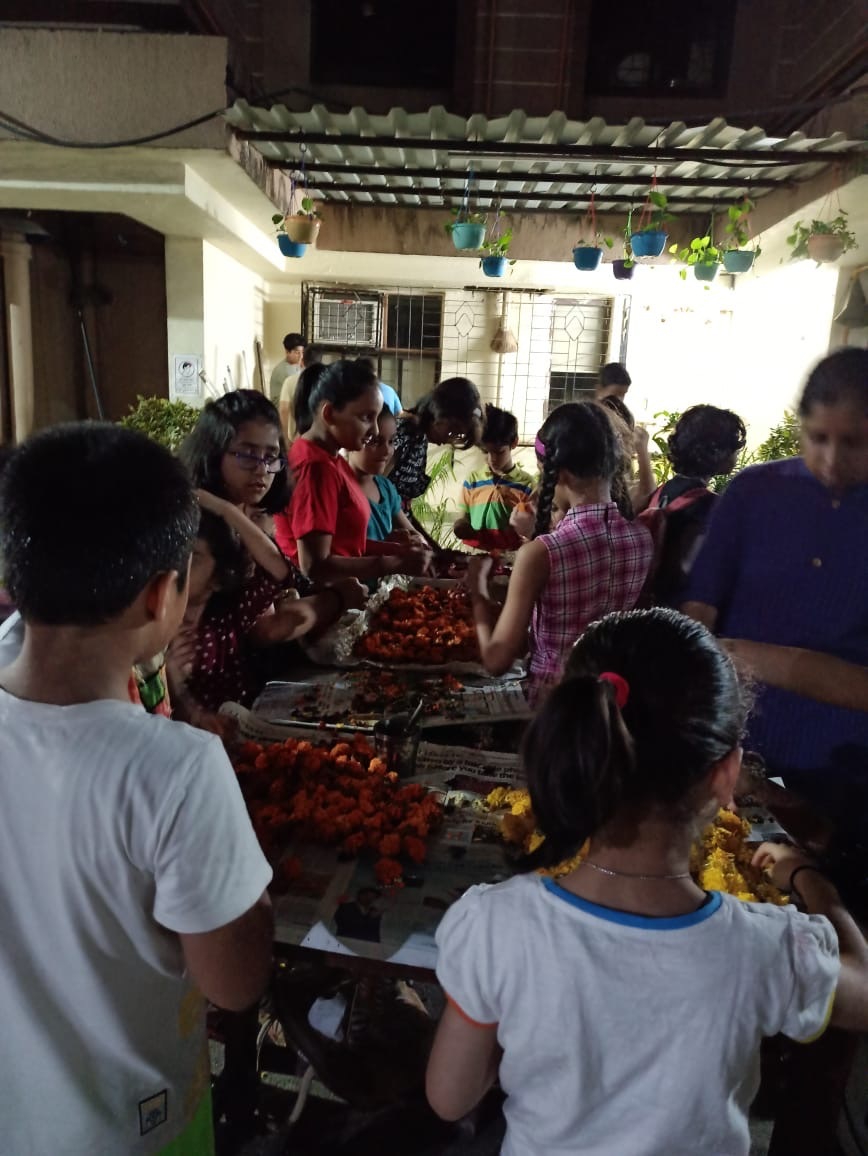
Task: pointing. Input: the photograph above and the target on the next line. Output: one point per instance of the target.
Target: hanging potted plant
(737, 258)
(496, 250)
(649, 239)
(823, 241)
(468, 229)
(299, 227)
(623, 268)
(701, 255)
(587, 254)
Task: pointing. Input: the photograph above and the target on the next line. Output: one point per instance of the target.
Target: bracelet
(803, 867)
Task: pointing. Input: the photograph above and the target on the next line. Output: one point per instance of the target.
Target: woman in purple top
(782, 575)
(593, 562)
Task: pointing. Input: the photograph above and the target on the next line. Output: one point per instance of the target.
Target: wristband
(803, 867)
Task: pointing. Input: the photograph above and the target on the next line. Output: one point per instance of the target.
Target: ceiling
(528, 164)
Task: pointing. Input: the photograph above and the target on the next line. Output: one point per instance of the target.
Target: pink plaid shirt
(598, 563)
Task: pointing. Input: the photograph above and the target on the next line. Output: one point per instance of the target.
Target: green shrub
(167, 422)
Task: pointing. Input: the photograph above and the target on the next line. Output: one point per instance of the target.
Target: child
(125, 848)
(706, 442)
(605, 997)
(369, 465)
(591, 563)
(490, 496)
(451, 414)
(211, 661)
(324, 528)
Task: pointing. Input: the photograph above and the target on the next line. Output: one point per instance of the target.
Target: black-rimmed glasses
(272, 463)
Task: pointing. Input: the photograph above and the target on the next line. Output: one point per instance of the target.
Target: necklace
(631, 874)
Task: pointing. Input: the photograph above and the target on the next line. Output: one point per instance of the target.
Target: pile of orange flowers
(425, 624)
(341, 796)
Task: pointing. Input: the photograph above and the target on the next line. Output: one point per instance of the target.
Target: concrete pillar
(16, 287)
(185, 313)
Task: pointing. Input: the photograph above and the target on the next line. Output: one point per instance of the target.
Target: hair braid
(546, 494)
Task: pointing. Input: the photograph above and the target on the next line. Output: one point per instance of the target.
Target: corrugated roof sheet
(549, 163)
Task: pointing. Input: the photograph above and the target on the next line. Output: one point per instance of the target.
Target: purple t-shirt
(786, 562)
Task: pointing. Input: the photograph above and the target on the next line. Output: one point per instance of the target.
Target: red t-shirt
(326, 499)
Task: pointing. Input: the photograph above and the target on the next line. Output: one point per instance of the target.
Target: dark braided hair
(590, 763)
(706, 441)
(577, 437)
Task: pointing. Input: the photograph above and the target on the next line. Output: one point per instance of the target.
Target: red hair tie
(621, 687)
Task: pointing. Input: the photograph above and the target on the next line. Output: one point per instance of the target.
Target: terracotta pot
(825, 247)
(302, 230)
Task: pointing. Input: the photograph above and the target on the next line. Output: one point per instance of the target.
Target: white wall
(233, 320)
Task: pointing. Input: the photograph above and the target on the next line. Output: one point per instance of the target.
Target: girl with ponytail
(599, 997)
(324, 528)
(592, 563)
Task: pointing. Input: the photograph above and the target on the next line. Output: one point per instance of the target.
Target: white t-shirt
(283, 372)
(628, 1035)
(114, 826)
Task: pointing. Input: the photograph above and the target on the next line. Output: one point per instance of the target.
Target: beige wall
(233, 320)
(104, 86)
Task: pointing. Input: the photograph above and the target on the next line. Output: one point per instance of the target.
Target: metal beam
(603, 154)
(445, 196)
(481, 178)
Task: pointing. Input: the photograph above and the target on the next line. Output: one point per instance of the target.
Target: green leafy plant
(657, 217)
(628, 258)
(432, 509)
(462, 216)
(700, 251)
(597, 241)
(802, 233)
(660, 463)
(737, 228)
(498, 246)
(166, 422)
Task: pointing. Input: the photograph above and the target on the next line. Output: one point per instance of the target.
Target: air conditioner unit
(347, 319)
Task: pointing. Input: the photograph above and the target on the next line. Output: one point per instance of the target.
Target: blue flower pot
(494, 266)
(466, 236)
(290, 248)
(649, 244)
(622, 271)
(587, 258)
(705, 272)
(738, 260)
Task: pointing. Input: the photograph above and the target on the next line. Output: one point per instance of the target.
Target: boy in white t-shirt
(130, 878)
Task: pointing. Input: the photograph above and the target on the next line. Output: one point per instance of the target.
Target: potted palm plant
(649, 239)
(823, 241)
(496, 250)
(736, 257)
(701, 255)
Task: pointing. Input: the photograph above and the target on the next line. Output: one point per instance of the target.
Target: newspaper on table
(349, 697)
(336, 647)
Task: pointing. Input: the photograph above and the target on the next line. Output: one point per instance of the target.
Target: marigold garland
(341, 795)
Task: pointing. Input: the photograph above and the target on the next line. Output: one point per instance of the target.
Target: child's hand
(209, 501)
(523, 519)
(414, 562)
(462, 528)
(641, 437)
(354, 594)
(779, 861)
(180, 656)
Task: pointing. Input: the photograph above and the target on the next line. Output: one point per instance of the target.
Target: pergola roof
(528, 164)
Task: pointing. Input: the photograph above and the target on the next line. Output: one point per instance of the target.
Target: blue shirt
(383, 513)
(390, 398)
(786, 562)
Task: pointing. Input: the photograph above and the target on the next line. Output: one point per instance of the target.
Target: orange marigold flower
(388, 872)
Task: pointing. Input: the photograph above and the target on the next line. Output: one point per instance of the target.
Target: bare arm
(284, 408)
(503, 638)
(820, 897)
(645, 482)
(295, 618)
(318, 563)
(701, 612)
(231, 966)
(258, 545)
(462, 1066)
(806, 672)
